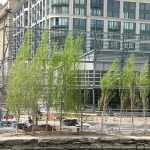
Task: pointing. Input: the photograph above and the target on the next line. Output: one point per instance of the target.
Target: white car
(84, 124)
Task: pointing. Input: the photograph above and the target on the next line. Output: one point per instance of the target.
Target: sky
(3, 1)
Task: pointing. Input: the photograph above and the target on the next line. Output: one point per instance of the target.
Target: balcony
(97, 5)
(60, 12)
(60, 2)
(97, 26)
(58, 24)
(114, 27)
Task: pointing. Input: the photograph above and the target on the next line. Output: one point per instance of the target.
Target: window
(97, 7)
(79, 24)
(113, 8)
(129, 10)
(114, 25)
(60, 1)
(129, 45)
(48, 7)
(113, 13)
(26, 5)
(79, 11)
(114, 34)
(97, 23)
(129, 26)
(60, 10)
(79, 7)
(97, 3)
(59, 21)
(129, 5)
(96, 12)
(144, 12)
(98, 44)
(113, 45)
(145, 46)
(82, 2)
(145, 31)
(144, 27)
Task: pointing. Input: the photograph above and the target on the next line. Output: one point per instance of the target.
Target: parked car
(74, 122)
(70, 122)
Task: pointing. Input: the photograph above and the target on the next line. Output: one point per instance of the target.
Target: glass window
(82, 11)
(147, 6)
(110, 3)
(113, 45)
(142, 25)
(76, 11)
(142, 6)
(132, 5)
(116, 14)
(125, 5)
(116, 4)
(109, 13)
(82, 2)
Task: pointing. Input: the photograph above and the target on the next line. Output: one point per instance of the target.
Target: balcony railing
(60, 12)
(60, 2)
(111, 27)
(97, 5)
(97, 26)
(58, 24)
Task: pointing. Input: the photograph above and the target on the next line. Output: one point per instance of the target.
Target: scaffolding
(99, 50)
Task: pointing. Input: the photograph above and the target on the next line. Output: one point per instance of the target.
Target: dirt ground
(110, 128)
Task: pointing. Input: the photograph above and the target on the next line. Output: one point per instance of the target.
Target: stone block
(14, 142)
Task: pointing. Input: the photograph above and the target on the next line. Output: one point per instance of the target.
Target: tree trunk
(104, 111)
(144, 115)
(121, 112)
(132, 117)
(17, 121)
(47, 118)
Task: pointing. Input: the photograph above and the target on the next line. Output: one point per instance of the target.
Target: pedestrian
(1, 116)
(30, 120)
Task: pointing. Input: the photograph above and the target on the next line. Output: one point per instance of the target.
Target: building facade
(6, 18)
(110, 27)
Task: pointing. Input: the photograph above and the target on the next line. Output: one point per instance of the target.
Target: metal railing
(125, 112)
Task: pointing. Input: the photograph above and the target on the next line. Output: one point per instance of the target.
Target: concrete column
(121, 9)
(137, 11)
(70, 21)
(88, 9)
(105, 8)
(71, 7)
(137, 31)
(105, 37)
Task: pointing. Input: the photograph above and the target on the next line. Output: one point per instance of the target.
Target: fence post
(126, 113)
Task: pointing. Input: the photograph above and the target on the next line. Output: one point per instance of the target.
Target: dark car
(70, 122)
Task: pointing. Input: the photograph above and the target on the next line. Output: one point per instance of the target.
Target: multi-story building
(112, 28)
(6, 17)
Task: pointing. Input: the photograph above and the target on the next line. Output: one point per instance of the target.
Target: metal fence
(125, 113)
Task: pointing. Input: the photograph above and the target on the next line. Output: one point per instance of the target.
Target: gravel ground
(110, 127)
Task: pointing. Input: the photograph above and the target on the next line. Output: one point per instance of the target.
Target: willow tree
(143, 85)
(36, 74)
(130, 78)
(53, 63)
(67, 85)
(107, 84)
(16, 82)
(123, 93)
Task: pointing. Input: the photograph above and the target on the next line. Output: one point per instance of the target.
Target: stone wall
(76, 143)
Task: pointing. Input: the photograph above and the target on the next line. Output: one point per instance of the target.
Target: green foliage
(14, 88)
(143, 83)
(68, 81)
(107, 84)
